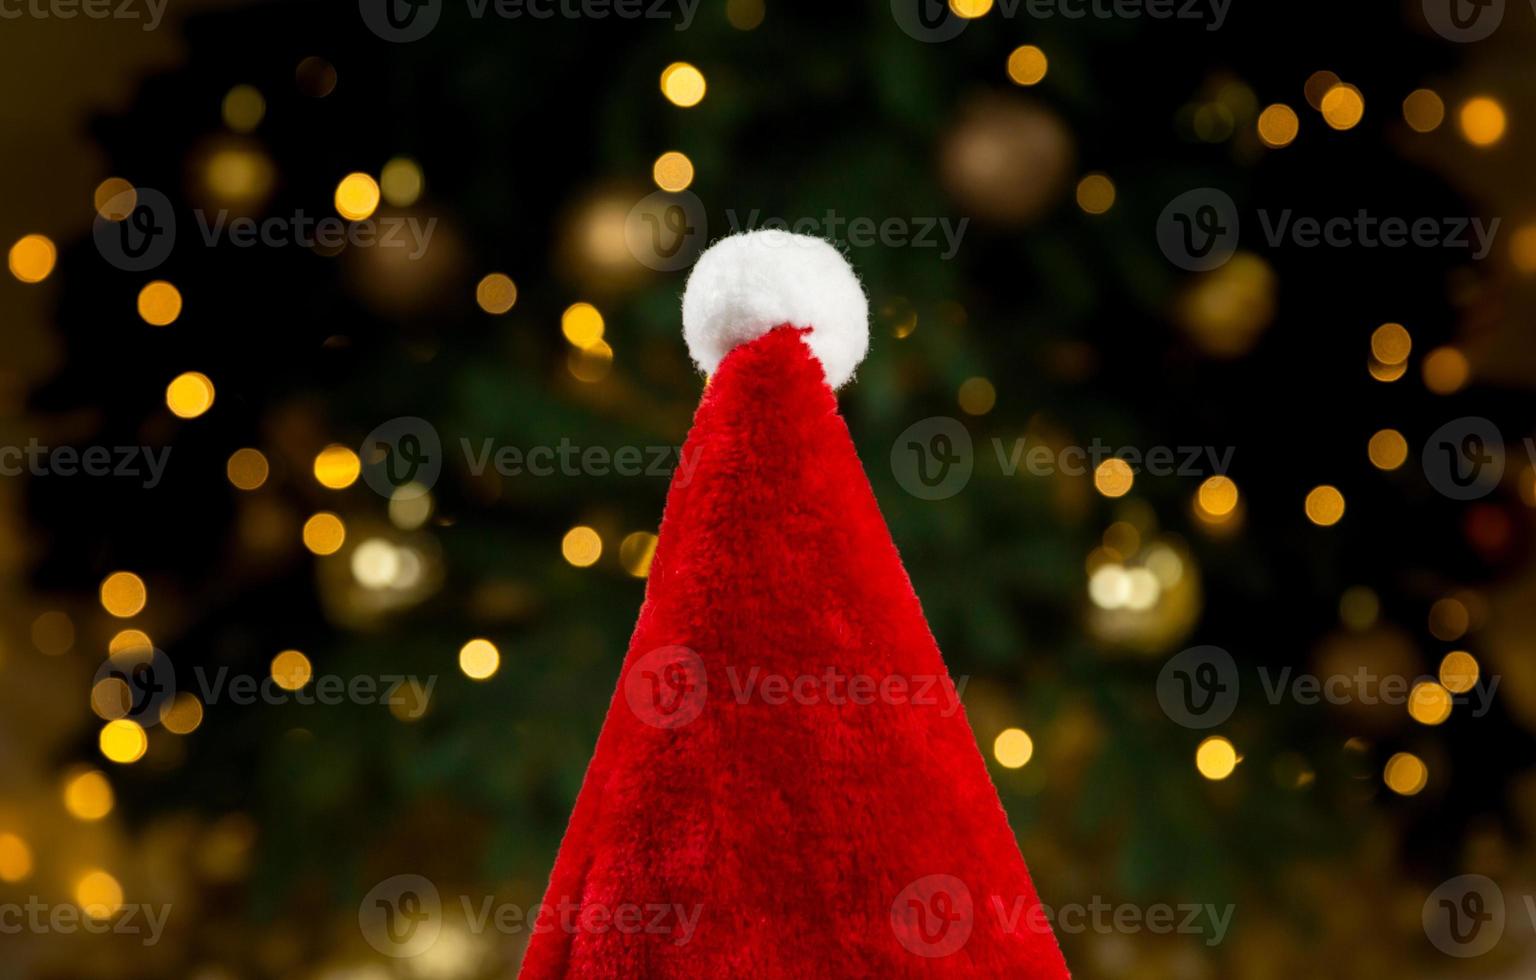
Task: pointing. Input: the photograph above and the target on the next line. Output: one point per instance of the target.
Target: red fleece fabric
(785, 785)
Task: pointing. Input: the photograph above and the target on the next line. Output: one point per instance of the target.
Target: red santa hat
(785, 784)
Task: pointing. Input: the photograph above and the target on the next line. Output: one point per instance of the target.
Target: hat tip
(745, 285)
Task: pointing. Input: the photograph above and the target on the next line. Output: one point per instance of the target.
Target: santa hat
(786, 784)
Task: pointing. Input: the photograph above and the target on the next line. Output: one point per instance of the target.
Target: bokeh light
(479, 659)
(1013, 748)
(683, 84)
(189, 394)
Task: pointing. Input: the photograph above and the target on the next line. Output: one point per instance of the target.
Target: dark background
(265, 827)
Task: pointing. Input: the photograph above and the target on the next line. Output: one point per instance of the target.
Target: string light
(291, 670)
(1388, 449)
(1216, 499)
(582, 325)
(1095, 193)
(98, 894)
(1429, 703)
(496, 293)
(1216, 758)
(123, 594)
(1343, 106)
(1482, 120)
(1423, 110)
(32, 258)
(1027, 65)
(357, 196)
(324, 533)
(122, 741)
(1013, 748)
(246, 468)
(88, 795)
(581, 546)
(1114, 477)
(401, 182)
(115, 199)
(683, 84)
(1278, 125)
(189, 394)
(977, 396)
(479, 659)
(672, 171)
(243, 108)
(1405, 774)
(337, 467)
(15, 858)
(1459, 672)
(159, 303)
(1325, 506)
(1446, 370)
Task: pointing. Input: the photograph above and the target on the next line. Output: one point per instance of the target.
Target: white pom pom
(745, 285)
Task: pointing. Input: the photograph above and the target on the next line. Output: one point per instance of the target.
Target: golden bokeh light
(672, 171)
(1278, 125)
(129, 641)
(182, 714)
(970, 9)
(683, 84)
(357, 196)
(1343, 106)
(636, 551)
(1429, 703)
(324, 533)
(291, 670)
(32, 258)
(1095, 193)
(581, 546)
(1387, 373)
(1482, 120)
(1459, 672)
(15, 858)
(337, 467)
(590, 364)
(1325, 506)
(1405, 774)
(479, 659)
(1522, 248)
(1388, 449)
(1114, 477)
(159, 303)
(401, 182)
(88, 795)
(1449, 619)
(246, 468)
(1391, 343)
(1216, 758)
(582, 325)
(1423, 110)
(115, 199)
(976, 396)
(243, 108)
(1027, 65)
(1446, 370)
(122, 741)
(1318, 85)
(111, 698)
(410, 505)
(496, 293)
(99, 895)
(1217, 498)
(189, 394)
(1013, 748)
(744, 15)
(123, 594)
(53, 632)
